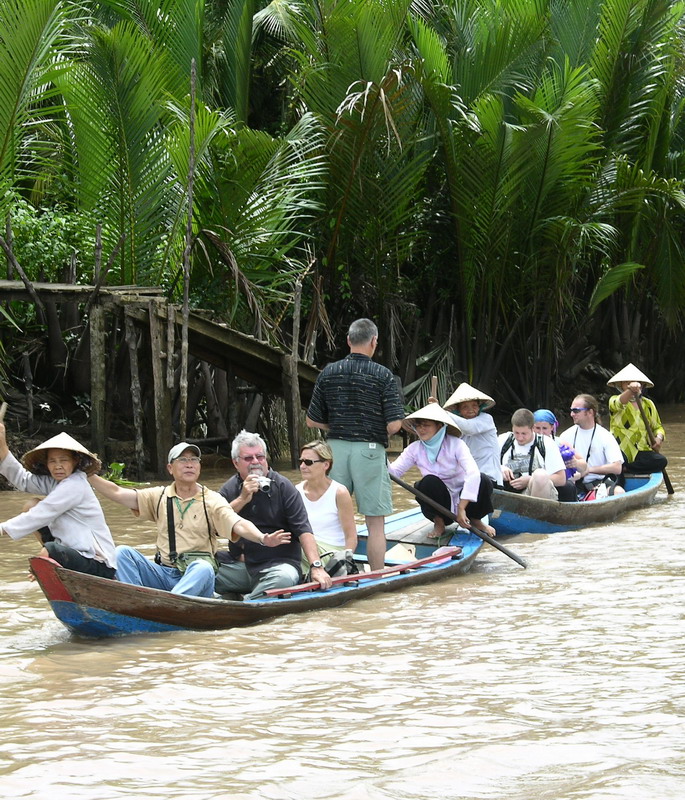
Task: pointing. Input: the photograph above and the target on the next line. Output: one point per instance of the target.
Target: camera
(264, 483)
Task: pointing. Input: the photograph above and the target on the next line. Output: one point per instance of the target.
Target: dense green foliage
(497, 182)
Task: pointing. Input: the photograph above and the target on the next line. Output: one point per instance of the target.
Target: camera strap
(171, 528)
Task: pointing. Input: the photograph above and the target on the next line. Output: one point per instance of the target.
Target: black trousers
(647, 461)
(568, 493)
(434, 488)
(72, 559)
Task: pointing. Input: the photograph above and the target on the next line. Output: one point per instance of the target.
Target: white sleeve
(471, 427)
(24, 480)
(65, 496)
(553, 460)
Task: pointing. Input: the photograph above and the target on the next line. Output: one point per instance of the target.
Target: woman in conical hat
(450, 475)
(640, 453)
(69, 517)
(468, 407)
(36, 460)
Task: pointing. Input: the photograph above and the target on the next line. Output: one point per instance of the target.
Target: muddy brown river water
(564, 681)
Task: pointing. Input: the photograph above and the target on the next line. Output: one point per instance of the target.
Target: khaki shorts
(363, 468)
(552, 493)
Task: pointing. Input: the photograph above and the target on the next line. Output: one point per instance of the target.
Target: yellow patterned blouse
(628, 427)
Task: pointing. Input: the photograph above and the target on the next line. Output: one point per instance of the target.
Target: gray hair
(247, 439)
(362, 331)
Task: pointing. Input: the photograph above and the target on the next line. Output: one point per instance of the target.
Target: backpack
(537, 442)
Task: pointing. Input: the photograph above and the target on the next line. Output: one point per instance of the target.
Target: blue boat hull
(515, 513)
(95, 607)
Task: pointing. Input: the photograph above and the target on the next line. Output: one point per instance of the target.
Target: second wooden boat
(517, 513)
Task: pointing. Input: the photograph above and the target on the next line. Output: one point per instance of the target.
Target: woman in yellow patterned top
(640, 453)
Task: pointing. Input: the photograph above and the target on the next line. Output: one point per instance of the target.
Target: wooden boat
(96, 607)
(517, 513)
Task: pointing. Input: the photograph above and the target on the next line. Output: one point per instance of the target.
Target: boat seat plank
(443, 554)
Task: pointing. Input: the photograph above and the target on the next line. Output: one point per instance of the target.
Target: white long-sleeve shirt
(70, 508)
(480, 436)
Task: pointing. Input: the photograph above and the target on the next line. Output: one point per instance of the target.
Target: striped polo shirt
(357, 398)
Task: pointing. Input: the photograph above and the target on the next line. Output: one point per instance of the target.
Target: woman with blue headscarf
(546, 424)
(450, 475)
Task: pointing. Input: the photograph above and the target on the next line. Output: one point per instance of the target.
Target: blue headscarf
(545, 415)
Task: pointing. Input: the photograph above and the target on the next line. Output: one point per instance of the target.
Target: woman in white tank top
(328, 503)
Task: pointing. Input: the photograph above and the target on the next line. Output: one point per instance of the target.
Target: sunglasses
(309, 461)
(577, 410)
(253, 458)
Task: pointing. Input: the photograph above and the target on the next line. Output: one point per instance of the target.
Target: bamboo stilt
(132, 342)
(162, 420)
(98, 383)
(183, 384)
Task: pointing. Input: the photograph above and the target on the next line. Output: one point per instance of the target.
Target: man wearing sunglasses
(271, 502)
(600, 460)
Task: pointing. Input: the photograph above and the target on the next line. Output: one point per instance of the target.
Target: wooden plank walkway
(258, 363)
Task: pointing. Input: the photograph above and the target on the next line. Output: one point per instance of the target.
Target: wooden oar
(449, 515)
(441, 554)
(434, 387)
(652, 440)
(3, 409)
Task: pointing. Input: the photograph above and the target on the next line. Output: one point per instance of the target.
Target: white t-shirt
(596, 445)
(518, 460)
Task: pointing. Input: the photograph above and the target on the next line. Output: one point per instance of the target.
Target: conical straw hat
(60, 442)
(434, 412)
(464, 392)
(629, 373)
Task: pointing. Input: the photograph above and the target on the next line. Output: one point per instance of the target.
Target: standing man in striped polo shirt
(357, 401)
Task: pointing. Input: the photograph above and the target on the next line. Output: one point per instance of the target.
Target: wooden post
(98, 383)
(183, 383)
(28, 383)
(162, 420)
(232, 402)
(132, 342)
(291, 383)
(253, 413)
(170, 345)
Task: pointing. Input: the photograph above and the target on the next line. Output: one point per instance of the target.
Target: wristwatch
(316, 563)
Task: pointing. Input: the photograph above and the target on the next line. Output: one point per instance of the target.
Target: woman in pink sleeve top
(450, 474)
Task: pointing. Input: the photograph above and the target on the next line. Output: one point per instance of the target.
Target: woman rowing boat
(450, 475)
(640, 449)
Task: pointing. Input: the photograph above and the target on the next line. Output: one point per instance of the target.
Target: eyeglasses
(253, 457)
(577, 410)
(188, 460)
(309, 461)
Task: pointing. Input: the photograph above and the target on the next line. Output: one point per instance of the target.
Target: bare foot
(482, 527)
(438, 529)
